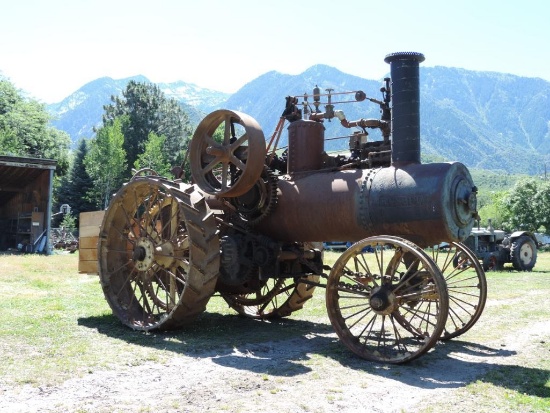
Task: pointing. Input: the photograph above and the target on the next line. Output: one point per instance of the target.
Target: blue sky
(50, 48)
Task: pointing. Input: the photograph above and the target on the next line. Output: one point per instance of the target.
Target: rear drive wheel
(158, 254)
(274, 298)
(524, 253)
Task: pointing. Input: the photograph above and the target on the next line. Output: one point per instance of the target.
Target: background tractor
(496, 248)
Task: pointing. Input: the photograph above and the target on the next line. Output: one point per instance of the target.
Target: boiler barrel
(425, 203)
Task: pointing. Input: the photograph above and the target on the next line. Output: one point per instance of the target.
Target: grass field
(55, 325)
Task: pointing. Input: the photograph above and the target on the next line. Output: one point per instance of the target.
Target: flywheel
(232, 166)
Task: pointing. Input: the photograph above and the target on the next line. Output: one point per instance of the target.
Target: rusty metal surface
(424, 203)
(306, 144)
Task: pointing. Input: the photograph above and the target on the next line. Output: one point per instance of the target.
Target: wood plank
(91, 218)
(90, 223)
(89, 231)
(88, 242)
(88, 254)
(87, 267)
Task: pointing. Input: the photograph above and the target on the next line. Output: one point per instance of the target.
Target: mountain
(484, 119)
(80, 112)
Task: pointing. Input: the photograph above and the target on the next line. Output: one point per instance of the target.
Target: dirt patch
(312, 373)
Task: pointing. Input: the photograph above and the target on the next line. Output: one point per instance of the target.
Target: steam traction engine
(251, 228)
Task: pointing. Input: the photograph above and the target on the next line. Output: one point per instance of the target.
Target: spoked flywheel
(230, 167)
(158, 254)
(387, 300)
(466, 287)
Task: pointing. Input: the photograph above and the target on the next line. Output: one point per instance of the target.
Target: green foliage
(69, 222)
(153, 157)
(495, 210)
(527, 205)
(542, 206)
(74, 187)
(491, 183)
(106, 162)
(149, 111)
(512, 202)
(25, 129)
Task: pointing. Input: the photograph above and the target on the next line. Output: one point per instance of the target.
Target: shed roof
(17, 172)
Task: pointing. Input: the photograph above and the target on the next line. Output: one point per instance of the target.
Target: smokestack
(405, 97)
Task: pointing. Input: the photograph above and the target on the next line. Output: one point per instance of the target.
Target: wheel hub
(526, 253)
(223, 153)
(382, 301)
(143, 254)
(146, 253)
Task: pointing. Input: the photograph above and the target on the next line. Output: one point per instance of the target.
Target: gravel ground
(294, 375)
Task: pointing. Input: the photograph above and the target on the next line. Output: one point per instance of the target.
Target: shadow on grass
(286, 347)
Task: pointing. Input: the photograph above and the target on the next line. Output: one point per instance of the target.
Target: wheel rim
(229, 168)
(148, 257)
(466, 287)
(526, 254)
(389, 305)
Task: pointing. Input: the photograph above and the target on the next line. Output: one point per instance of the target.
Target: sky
(51, 48)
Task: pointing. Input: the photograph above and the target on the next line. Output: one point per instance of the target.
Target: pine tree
(74, 187)
(149, 111)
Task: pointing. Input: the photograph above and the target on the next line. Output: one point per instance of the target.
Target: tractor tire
(523, 253)
(492, 262)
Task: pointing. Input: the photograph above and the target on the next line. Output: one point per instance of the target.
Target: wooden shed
(26, 186)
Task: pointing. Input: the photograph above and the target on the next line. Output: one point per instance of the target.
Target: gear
(236, 266)
(259, 201)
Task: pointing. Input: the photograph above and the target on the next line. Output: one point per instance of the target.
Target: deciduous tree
(523, 214)
(25, 129)
(106, 162)
(153, 157)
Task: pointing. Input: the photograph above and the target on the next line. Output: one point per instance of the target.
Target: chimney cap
(419, 57)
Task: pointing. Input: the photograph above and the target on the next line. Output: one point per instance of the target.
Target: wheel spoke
(239, 142)
(210, 165)
(237, 162)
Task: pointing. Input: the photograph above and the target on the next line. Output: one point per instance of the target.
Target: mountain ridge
(487, 120)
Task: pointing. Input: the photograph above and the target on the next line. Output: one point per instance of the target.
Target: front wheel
(389, 305)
